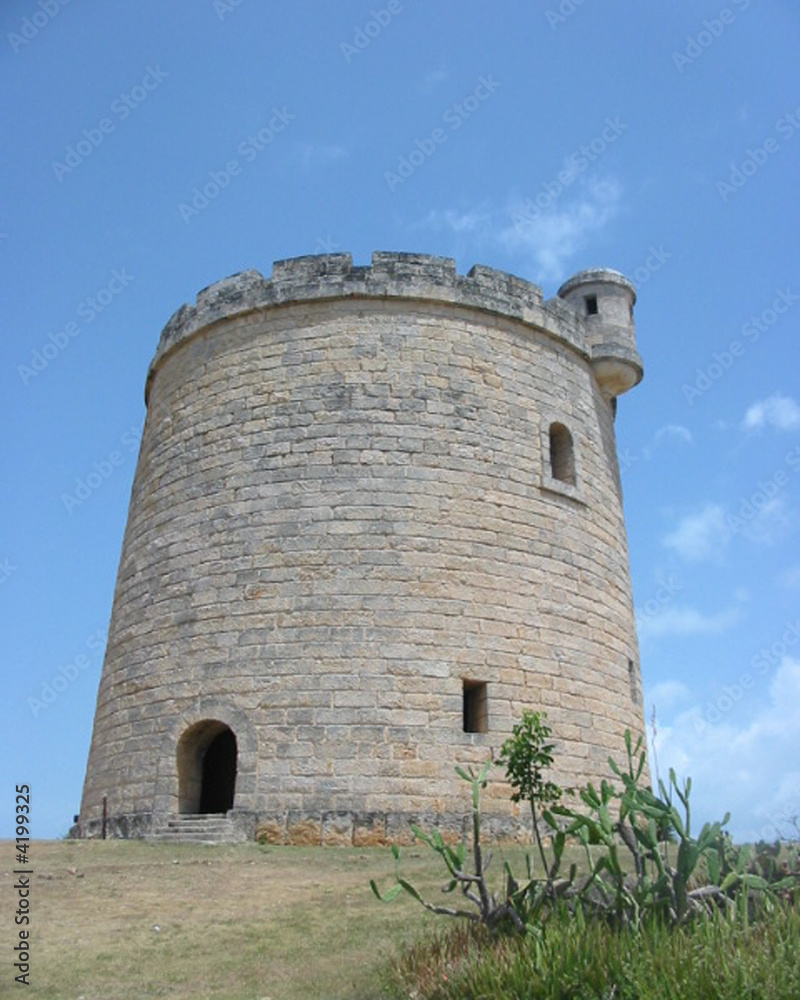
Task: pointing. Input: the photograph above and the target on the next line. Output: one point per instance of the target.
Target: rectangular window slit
(475, 707)
(633, 681)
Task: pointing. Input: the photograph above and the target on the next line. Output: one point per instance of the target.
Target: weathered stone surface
(271, 832)
(369, 830)
(337, 829)
(346, 506)
(301, 829)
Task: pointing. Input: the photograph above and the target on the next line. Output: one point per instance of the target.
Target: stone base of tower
(126, 826)
(235, 826)
(346, 829)
(295, 827)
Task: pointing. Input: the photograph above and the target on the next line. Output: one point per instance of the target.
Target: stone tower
(376, 514)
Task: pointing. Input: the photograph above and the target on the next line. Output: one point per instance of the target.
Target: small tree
(525, 755)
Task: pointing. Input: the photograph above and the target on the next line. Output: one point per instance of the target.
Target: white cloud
(790, 578)
(666, 695)
(545, 243)
(781, 412)
(674, 432)
(686, 621)
(476, 221)
(312, 155)
(770, 523)
(749, 766)
(700, 536)
(705, 535)
(550, 239)
(432, 80)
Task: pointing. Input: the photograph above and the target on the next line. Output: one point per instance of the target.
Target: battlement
(391, 276)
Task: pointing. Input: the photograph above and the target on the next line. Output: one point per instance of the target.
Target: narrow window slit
(562, 454)
(475, 707)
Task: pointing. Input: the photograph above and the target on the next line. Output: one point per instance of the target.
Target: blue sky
(690, 113)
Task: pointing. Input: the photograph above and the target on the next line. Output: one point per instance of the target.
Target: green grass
(714, 960)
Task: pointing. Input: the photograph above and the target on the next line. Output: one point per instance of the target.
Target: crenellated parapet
(431, 279)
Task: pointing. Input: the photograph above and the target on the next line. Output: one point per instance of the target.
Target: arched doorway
(207, 754)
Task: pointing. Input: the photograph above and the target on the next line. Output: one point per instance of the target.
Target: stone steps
(199, 828)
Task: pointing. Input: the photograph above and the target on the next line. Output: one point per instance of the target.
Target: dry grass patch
(241, 922)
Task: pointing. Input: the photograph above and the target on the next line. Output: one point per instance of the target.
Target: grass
(242, 922)
(119, 920)
(713, 960)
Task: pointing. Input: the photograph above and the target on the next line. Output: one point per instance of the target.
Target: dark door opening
(207, 768)
(219, 774)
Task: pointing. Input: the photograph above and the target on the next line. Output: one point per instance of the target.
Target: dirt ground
(118, 920)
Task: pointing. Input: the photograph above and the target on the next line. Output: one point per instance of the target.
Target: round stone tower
(376, 515)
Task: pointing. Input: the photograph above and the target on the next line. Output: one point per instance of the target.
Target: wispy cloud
(312, 155)
(432, 80)
(790, 578)
(683, 621)
(670, 432)
(746, 761)
(770, 523)
(781, 412)
(675, 431)
(545, 244)
(477, 222)
(700, 536)
(549, 241)
(667, 694)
